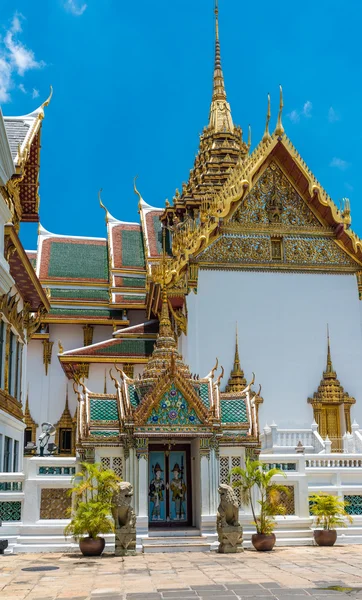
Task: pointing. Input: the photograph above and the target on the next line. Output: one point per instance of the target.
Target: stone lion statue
(228, 511)
(122, 511)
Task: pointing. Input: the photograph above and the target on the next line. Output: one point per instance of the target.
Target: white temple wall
(282, 321)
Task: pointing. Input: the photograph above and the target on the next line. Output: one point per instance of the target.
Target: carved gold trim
(29, 421)
(47, 354)
(88, 331)
(7, 357)
(11, 405)
(66, 421)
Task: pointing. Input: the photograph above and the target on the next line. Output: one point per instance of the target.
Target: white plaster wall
(282, 321)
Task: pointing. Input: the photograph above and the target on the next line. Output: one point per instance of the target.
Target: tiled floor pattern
(284, 574)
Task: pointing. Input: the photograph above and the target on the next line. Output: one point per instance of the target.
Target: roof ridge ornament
(47, 101)
(220, 118)
(279, 130)
(140, 199)
(267, 136)
(102, 205)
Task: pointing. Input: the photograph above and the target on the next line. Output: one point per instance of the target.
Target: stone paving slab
(284, 574)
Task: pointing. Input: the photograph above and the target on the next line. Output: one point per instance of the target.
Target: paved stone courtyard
(284, 573)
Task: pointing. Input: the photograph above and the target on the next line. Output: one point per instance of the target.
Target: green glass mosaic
(103, 410)
(11, 486)
(354, 504)
(173, 410)
(129, 347)
(133, 395)
(86, 261)
(158, 236)
(10, 511)
(133, 298)
(281, 466)
(79, 312)
(135, 282)
(81, 294)
(233, 411)
(104, 433)
(132, 249)
(66, 471)
(204, 394)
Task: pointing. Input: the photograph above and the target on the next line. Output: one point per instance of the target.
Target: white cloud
(333, 116)
(73, 7)
(339, 163)
(35, 93)
(15, 58)
(294, 116)
(306, 112)
(5, 80)
(307, 109)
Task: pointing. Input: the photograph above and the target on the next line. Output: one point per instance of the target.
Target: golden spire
(220, 115)
(279, 130)
(266, 136)
(249, 137)
(329, 372)
(237, 381)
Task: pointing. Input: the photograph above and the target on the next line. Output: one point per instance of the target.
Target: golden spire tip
(279, 130)
(267, 136)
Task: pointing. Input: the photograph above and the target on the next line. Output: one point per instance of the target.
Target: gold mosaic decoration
(54, 503)
(273, 200)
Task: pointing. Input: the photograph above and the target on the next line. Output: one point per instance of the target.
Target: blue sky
(132, 88)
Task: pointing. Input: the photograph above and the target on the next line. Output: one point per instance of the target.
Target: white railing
(286, 440)
(333, 461)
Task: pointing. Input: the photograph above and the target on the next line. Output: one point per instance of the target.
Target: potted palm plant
(253, 476)
(329, 512)
(93, 488)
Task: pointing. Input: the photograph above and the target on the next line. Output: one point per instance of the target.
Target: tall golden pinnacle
(329, 372)
(266, 136)
(237, 381)
(220, 114)
(279, 130)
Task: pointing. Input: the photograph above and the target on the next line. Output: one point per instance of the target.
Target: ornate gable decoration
(173, 409)
(274, 203)
(275, 227)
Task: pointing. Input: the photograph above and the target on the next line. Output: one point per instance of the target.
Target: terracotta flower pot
(325, 537)
(263, 542)
(92, 546)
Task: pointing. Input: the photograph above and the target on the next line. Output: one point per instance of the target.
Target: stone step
(175, 544)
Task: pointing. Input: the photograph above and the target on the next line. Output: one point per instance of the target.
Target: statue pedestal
(230, 539)
(125, 543)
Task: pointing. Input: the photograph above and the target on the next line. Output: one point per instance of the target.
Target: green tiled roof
(80, 312)
(233, 411)
(132, 346)
(132, 249)
(102, 409)
(85, 261)
(158, 236)
(104, 433)
(138, 282)
(204, 394)
(82, 294)
(133, 396)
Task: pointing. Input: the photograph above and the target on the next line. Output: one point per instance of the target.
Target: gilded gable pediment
(273, 203)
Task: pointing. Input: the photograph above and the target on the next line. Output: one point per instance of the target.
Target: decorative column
(142, 508)
(205, 476)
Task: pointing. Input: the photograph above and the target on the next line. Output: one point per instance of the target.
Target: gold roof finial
(101, 203)
(279, 130)
(329, 368)
(237, 381)
(47, 101)
(220, 115)
(267, 136)
(249, 137)
(136, 191)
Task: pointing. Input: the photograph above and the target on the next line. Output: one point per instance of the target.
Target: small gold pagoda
(331, 405)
